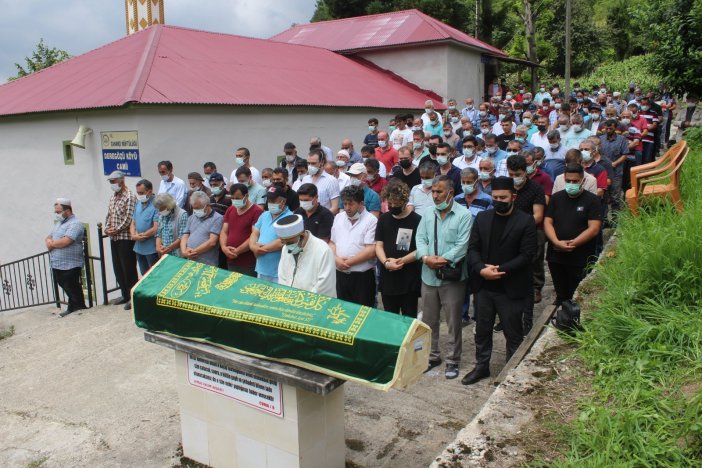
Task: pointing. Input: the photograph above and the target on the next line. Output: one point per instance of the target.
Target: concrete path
(87, 390)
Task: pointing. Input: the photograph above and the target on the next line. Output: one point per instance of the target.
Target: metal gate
(30, 281)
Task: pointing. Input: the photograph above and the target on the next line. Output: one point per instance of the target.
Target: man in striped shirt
(648, 137)
(119, 217)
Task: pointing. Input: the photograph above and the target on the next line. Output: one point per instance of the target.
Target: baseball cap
(275, 191)
(356, 169)
(217, 177)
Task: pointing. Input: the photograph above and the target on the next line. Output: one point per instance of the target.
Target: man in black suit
(501, 250)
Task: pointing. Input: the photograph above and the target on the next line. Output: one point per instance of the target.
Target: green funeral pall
(204, 303)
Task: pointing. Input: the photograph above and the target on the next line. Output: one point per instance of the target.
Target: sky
(78, 26)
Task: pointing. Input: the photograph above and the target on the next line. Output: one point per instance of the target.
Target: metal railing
(30, 281)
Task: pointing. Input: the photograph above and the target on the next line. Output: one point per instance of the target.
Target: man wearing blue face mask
(469, 155)
(572, 222)
(443, 157)
(442, 243)
(264, 242)
(200, 241)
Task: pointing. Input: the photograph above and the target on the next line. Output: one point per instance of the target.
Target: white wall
(33, 172)
(424, 66)
(465, 74)
(448, 70)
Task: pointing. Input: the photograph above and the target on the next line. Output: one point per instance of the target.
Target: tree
(677, 49)
(41, 58)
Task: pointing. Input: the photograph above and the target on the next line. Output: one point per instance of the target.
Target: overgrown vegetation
(643, 341)
(7, 332)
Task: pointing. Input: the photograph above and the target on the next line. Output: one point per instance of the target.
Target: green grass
(643, 341)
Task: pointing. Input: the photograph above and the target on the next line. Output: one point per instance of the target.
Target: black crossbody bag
(446, 273)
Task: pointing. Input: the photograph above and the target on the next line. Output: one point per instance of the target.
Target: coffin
(255, 317)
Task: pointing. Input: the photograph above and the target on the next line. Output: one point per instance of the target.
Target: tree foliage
(676, 43)
(42, 57)
(603, 32)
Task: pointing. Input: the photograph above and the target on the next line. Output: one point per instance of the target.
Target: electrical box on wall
(68, 153)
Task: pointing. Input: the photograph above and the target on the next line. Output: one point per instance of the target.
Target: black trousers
(406, 304)
(566, 279)
(488, 305)
(124, 264)
(358, 287)
(69, 280)
(244, 271)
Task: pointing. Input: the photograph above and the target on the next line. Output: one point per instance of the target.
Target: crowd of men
(450, 207)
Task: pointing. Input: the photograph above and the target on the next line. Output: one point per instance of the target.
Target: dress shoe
(451, 371)
(433, 364)
(119, 301)
(477, 374)
(128, 305)
(66, 312)
(499, 327)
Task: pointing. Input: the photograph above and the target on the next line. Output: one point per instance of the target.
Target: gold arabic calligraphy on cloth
(277, 306)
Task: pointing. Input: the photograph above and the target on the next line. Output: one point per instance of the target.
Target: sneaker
(433, 364)
(451, 371)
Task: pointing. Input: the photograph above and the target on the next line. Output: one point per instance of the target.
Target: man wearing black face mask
(501, 250)
(395, 247)
(405, 170)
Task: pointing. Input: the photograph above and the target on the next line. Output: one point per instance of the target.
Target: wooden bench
(660, 178)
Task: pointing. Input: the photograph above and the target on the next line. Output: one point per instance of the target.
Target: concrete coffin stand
(219, 431)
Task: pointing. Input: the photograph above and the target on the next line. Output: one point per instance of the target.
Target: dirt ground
(87, 390)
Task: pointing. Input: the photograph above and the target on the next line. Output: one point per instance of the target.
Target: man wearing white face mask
(577, 133)
(306, 262)
(327, 186)
(65, 245)
(117, 223)
(264, 242)
(420, 195)
(340, 165)
(144, 227)
(290, 160)
(171, 184)
(353, 245)
(200, 241)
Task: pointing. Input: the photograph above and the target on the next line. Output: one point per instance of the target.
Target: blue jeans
(145, 262)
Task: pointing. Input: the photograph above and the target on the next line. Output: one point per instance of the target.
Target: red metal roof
(167, 64)
(382, 30)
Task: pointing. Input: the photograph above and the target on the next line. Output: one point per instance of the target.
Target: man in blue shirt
(264, 241)
(371, 200)
(144, 226)
(442, 243)
(65, 244)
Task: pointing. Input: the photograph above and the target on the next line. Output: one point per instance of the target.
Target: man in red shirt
(236, 230)
(385, 153)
